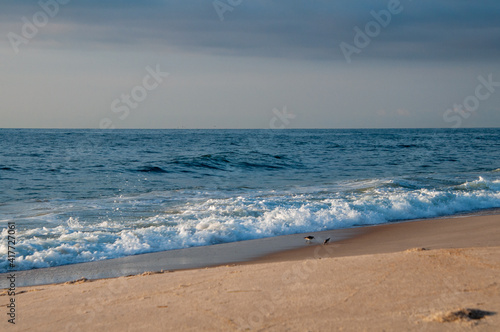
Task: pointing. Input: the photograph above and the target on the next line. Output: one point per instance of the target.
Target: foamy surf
(204, 218)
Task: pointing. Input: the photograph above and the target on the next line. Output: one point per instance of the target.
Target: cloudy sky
(249, 64)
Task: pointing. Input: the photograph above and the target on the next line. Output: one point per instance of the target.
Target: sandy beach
(428, 275)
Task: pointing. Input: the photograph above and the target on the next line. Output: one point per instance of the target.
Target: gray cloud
(425, 29)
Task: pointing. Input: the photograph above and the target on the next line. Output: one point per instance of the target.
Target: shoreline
(349, 241)
(424, 275)
(201, 257)
(436, 233)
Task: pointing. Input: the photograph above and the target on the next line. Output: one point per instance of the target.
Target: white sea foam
(210, 218)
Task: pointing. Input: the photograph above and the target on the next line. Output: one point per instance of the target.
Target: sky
(249, 64)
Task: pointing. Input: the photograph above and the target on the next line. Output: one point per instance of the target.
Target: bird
(326, 241)
(309, 238)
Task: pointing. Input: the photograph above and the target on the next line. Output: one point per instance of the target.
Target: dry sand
(380, 280)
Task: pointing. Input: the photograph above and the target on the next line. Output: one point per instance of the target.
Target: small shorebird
(309, 238)
(326, 241)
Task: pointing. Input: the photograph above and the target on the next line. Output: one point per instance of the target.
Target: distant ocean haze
(84, 195)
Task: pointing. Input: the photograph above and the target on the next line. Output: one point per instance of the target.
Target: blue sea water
(85, 195)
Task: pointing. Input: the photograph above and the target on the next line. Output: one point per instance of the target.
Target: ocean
(85, 195)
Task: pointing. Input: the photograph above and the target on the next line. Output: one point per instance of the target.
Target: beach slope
(431, 275)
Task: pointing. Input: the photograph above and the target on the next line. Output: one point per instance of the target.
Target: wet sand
(419, 276)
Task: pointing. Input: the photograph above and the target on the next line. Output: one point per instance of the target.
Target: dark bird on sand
(326, 241)
(309, 238)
